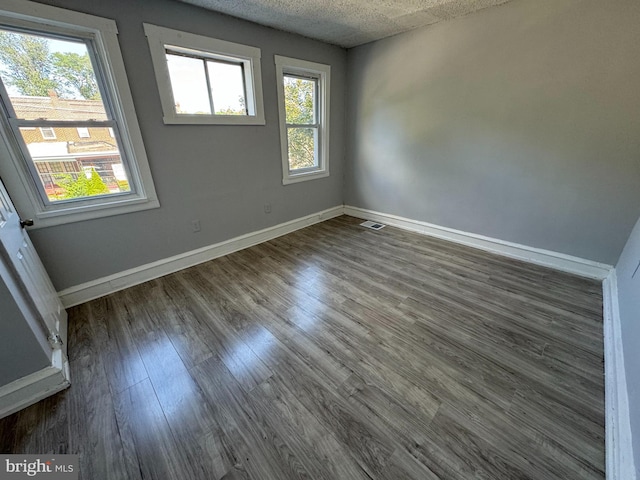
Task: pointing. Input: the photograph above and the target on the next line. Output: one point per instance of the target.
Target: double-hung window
(303, 96)
(62, 76)
(204, 80)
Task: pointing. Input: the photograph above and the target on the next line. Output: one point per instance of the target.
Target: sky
(189, 84)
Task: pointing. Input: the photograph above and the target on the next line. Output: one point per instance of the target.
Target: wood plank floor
(335, 352)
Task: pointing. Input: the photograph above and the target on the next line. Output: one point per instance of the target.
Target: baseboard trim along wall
(119, 281)
(28, 390)
(619, 454)
(620, 461)
(104, 286)
(547, 258)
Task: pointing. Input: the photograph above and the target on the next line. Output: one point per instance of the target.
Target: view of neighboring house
(63, 152)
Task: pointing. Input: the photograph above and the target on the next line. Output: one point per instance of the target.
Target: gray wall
(222, 175)
(20, 352)
(629, 302)
(518, 122)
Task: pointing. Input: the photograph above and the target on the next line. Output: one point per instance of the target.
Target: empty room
(301, 239)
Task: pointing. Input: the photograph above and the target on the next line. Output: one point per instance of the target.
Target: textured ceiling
(346, 22)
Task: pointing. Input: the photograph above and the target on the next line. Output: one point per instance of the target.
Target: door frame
(53, 378)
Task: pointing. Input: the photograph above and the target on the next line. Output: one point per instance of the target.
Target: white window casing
(83, 132)
(321, 72)
(100, 36)
(48, 133)
(162, 40)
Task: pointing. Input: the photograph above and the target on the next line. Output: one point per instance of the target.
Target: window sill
(211, 120)
(80, 213)
(303, 177)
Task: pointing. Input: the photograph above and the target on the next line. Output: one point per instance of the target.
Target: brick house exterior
(58, 151)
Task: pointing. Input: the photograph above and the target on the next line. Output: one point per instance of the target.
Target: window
(78, 83)
(83, 132)
(204, 80)
(48, 133)
(303, 97)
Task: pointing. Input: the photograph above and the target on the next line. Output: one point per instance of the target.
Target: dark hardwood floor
(335, 352)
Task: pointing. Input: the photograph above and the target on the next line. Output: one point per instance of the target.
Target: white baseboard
(620, 461)
(31, 389)
(104, 286)
(619, 452)
(119, 281)
(547, 258)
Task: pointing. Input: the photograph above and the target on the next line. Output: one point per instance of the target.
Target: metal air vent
(372, 225)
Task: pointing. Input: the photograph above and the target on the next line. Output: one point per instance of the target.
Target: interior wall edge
(618, 439)
(31, 389)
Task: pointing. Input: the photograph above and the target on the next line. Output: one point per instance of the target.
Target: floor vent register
(372, 225)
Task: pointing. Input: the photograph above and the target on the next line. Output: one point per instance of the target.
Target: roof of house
(56, 108)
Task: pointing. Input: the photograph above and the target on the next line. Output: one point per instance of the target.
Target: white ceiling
(347, 23)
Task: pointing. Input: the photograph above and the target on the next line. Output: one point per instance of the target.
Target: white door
(20, 260)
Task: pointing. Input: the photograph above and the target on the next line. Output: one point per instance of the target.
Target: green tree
(299, 96)
(230, 111)
(301, 143)
(28, 65)
(34, 70)
(234, 111)
(82, 186)
(74, 72)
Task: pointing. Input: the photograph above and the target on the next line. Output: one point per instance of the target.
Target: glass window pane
(189, 85)
(227, 88)
(49, 78)
(299, 100)
(71, 167)
(48, 133)
(302, 147)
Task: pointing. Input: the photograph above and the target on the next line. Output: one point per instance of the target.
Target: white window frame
(50, 135)
(83, 132)
(162, 39)
(322, 72)
(102, 35)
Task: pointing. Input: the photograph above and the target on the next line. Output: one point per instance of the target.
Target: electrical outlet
(195, 225)
(267, 208)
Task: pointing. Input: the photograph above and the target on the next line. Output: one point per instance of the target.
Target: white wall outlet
(195, 225)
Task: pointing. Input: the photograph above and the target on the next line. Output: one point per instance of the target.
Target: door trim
(28, 390)
(618, 437)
